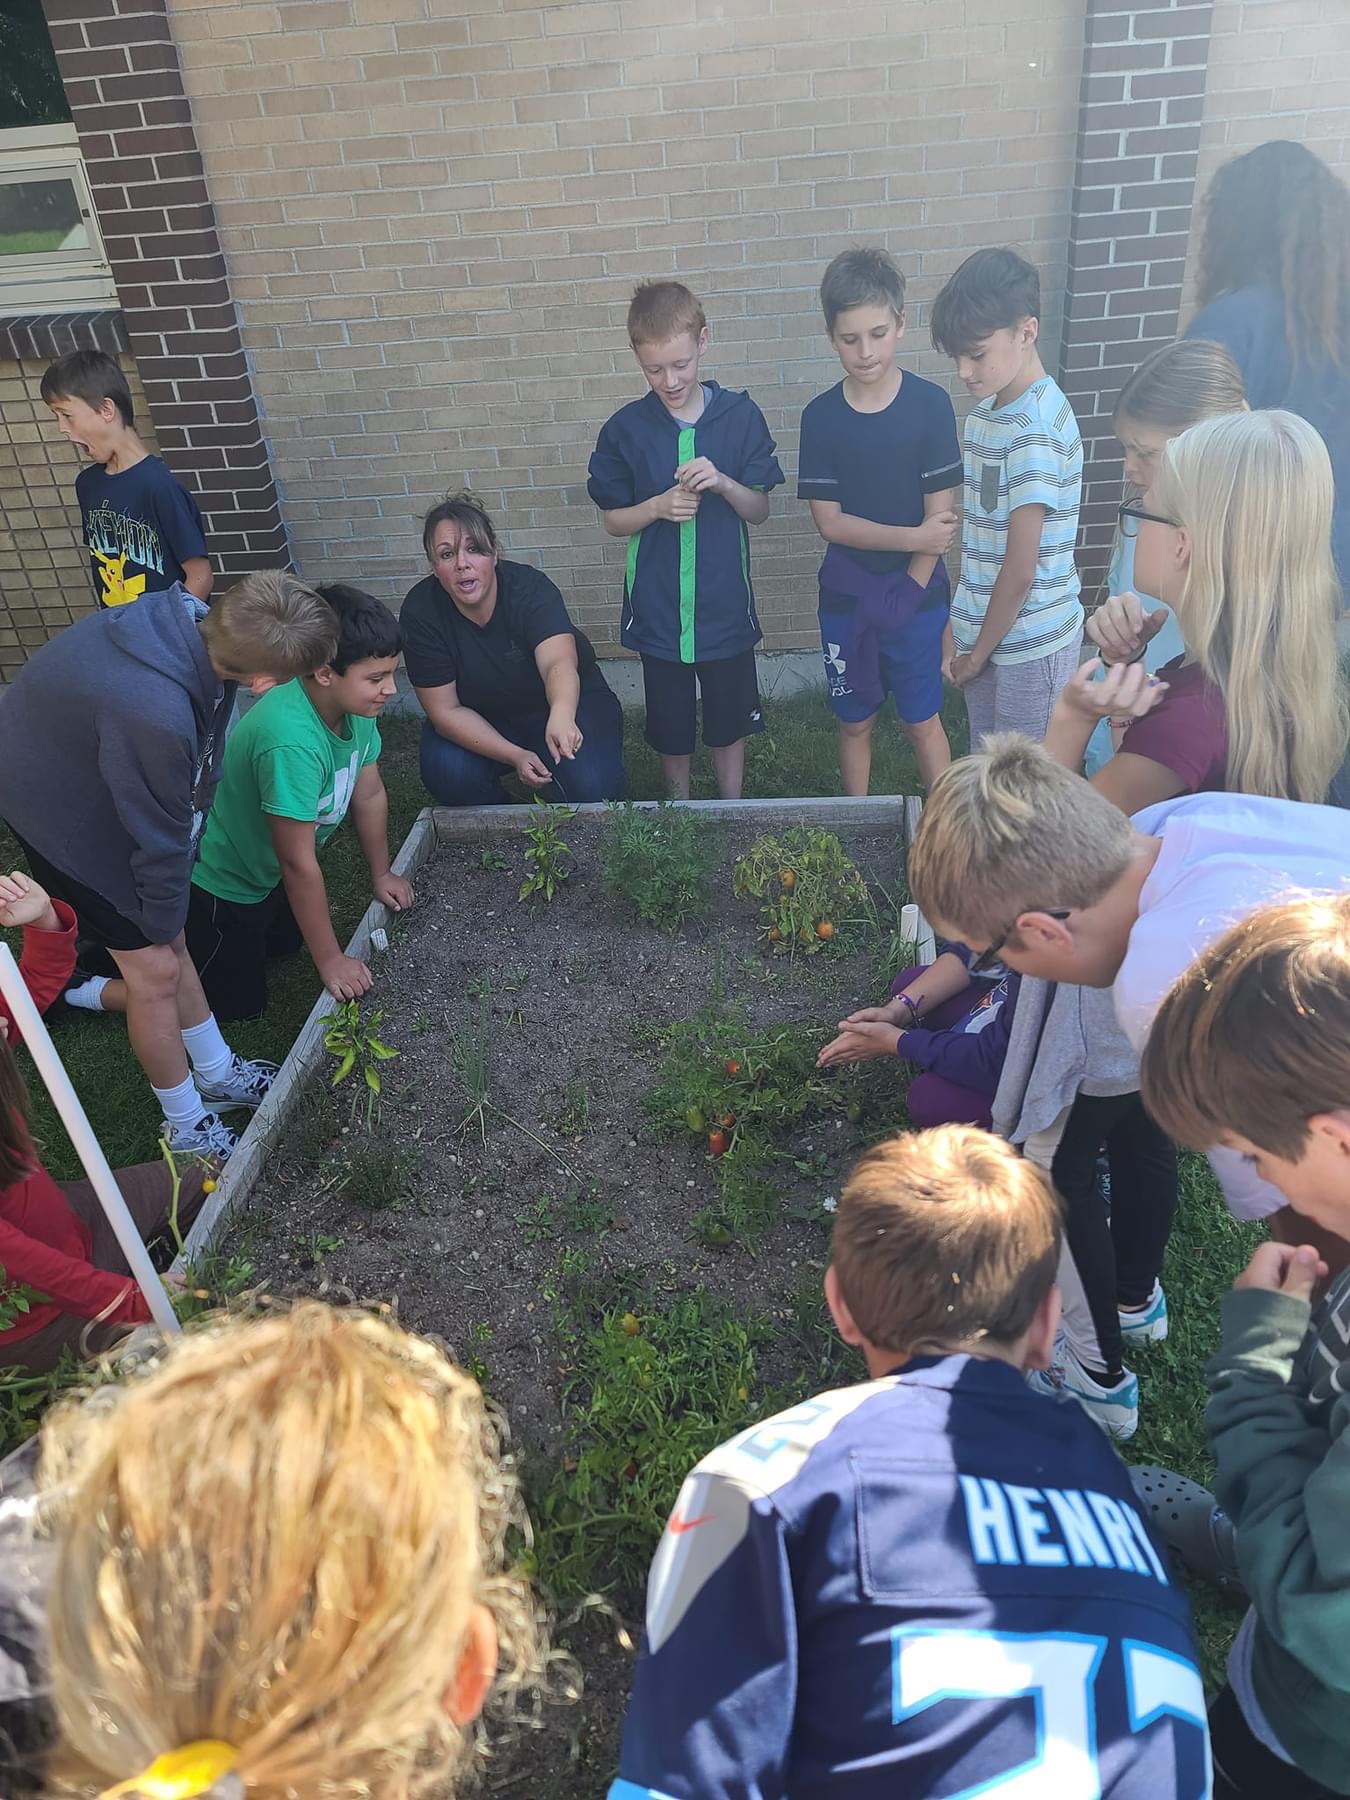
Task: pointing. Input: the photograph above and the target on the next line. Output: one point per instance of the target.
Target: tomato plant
(805, 884)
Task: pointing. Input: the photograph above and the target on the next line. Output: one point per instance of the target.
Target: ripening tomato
(824, 929)
(630, 1324)
(731, 1066)
(718, 1142)
(788, 877)
(727, 1121)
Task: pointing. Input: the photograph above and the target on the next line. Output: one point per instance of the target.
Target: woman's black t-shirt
(492, 665)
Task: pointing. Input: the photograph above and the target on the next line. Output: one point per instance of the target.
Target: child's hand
(677, 504)
(934, 536)
(346, 978)
(891, 1014)
(394, 892)
(1120, 627)
(23, 902)
(857, 1042)
(1127, 691)
(963, 668)
(1283, 1269)
(700, 476)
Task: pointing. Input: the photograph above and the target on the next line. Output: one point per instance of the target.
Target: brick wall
(125, 90)
(1143, 88)
(44, 569)
(434, 211)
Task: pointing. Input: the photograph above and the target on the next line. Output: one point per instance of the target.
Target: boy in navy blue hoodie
(681, 473)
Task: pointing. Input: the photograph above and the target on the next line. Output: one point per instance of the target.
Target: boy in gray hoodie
(110, 746)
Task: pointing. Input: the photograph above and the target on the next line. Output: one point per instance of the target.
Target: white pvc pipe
(38, 1042)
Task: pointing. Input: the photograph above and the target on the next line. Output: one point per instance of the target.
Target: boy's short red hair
(660, 310)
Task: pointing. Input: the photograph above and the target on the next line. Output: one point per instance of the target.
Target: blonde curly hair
(275, 1537)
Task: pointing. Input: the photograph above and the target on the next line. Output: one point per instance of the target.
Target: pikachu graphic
(119, 589)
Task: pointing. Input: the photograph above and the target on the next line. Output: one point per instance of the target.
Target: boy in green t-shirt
(292, 769)
(293, 766)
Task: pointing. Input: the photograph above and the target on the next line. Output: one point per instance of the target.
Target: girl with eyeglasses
(1234, 535)
(1175, 388)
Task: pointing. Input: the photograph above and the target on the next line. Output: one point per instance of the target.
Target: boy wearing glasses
(1017, 620)
(1017, 855)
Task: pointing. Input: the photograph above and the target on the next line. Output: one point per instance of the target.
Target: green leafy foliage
(743, 1091)
(548, 857)
(17, 1300)
(645, 1397)
(659, 862)
(808, 889)
(352, 1038)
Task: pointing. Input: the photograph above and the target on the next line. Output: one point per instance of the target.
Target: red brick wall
(1141, 102)
(125, 88)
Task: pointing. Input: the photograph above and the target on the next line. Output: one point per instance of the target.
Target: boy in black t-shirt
(506, 680)
(880, 466)
(142, 528)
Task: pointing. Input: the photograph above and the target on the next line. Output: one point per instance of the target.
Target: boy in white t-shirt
(1020, 858)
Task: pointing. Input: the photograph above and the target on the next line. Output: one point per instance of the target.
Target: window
(51, 253)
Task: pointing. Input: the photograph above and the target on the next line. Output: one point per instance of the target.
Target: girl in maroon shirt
(1235, 535)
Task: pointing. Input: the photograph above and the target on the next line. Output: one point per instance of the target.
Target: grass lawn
(794, 756)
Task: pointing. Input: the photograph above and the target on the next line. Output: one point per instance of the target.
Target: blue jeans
(454, 776)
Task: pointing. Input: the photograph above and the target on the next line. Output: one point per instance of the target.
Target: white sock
(89, 994)
(182, 1105)
(211, 1055)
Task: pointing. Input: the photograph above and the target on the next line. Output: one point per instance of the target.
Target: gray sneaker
(1190, 1521)
(210, 1136)
(244, 1083)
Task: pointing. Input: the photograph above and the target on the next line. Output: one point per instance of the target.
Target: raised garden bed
(599, 1166)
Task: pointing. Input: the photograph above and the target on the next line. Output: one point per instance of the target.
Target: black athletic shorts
(231, 943)
(731, 709)
(99, 923)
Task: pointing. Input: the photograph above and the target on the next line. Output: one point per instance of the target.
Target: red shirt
(1187, 731)
(42, 1241)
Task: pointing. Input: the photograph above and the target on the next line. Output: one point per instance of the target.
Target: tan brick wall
(434, 212)
(1277, 69)
(44, 570)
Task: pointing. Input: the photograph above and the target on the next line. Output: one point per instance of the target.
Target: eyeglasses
(1130, 513)
(987, 958)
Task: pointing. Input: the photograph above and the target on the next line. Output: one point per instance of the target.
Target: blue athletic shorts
(911, 666)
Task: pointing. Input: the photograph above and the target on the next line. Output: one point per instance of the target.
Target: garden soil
(574, 991)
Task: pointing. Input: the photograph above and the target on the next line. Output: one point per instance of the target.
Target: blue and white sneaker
(1114, 1409)
(245, 1083)
(1149, 1325)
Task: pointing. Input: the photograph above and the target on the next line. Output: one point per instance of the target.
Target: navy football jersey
(927, 1587)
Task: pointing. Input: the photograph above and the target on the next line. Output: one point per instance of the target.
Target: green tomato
(694, 1118)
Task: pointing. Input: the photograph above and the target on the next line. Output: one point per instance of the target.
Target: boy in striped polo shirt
(1017, 620)
(682, 473)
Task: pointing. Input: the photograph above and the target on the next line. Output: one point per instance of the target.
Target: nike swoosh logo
(679, 1525)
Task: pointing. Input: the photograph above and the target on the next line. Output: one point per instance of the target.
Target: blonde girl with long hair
(1234, 534)
(280, 1569)
(1171, 390)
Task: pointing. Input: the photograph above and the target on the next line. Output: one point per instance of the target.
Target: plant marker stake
(38, 1043)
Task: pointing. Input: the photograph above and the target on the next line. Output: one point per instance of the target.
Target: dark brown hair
(466, 510)
(993, 290)
(1278, 215)
(92, 376)
(17, 1157)
(1254, 1038)
(944, 1237)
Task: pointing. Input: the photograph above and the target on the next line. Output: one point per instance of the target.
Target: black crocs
(1190, 1521)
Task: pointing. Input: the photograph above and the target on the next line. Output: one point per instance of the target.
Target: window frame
(54, 281)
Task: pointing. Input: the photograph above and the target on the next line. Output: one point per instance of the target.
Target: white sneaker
(244, 1083)
(1115, 1409)
(210, 1136)
(1149, 1324)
